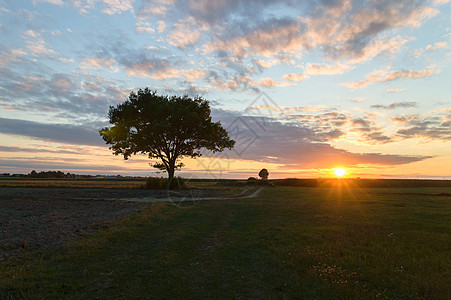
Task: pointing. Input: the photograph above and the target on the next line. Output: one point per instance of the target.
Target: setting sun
(339, 172)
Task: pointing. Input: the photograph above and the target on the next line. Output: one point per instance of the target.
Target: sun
(339, 172)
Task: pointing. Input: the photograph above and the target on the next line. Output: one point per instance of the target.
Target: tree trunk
(171, 171)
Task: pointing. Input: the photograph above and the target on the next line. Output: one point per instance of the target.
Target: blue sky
(314, 85)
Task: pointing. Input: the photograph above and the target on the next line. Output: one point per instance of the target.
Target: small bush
(154, 183)
(160, 183)
(260, 182)
(177, 183)
(265, 183)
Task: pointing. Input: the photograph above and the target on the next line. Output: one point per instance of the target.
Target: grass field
(71, 183)
(325, 243)
(95, 183)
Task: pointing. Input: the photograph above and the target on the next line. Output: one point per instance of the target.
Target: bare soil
(43, 218)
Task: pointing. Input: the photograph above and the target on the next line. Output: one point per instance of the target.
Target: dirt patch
(77, 193)
(40, 219)
(44, 218)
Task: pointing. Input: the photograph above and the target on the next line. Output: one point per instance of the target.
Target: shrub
(154, 183)
(260, 182)
(177, 183)
(265, 183)
(160, 183)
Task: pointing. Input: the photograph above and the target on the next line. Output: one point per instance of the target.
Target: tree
(263, 174)
(163, 127)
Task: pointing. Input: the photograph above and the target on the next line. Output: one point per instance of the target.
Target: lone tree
(263, 174)
(163, 127)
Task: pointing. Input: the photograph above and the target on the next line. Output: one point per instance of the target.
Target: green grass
(287, 243)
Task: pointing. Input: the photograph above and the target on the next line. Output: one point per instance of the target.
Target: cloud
(377, 137)
(144, 27)
(240, 39)
(396, 105)
(55, 2)
(325, 69)
(35, 150)
(438, 45)
(233, 84)
(377, 47)
(137, 62)
(295, 77)
(117, 6)
(76, 96)
(216, 12)
(352, 29)
(261, 64)
(146, 67)
(184, 34)
(273, 37)
(436, 127)
(161, 69)
(369, 131)
(161, 26)
(409, 74)
(385, 76)
(293, 144)
(393, 91)
(268, 83)
(9, 56)
(199, 46)
(348, 32)
(110, 7)
(149, 8)
(37, 45)
(361, 124)
(60, 133)
(325, 125)
(264, 140)
(99, 63)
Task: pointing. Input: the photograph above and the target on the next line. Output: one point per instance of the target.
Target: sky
(302, 86)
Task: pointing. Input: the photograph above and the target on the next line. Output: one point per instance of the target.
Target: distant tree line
(48, 174)
(361, 182)
(51, 174)
(62, 175)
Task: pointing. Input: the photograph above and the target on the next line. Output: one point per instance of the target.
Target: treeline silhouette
(52, 174)
(363, 183)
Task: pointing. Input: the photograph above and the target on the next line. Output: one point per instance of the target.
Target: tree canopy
(163, 127)
(263, 174)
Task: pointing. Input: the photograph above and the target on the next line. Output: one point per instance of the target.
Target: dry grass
(72, 183)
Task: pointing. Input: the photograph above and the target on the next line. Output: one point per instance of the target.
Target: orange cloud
(384, 76)
(325, 69)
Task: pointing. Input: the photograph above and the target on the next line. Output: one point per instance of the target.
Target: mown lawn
(286, 243)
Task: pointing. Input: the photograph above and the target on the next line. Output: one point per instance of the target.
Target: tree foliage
(163, 127)
(263, 174)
